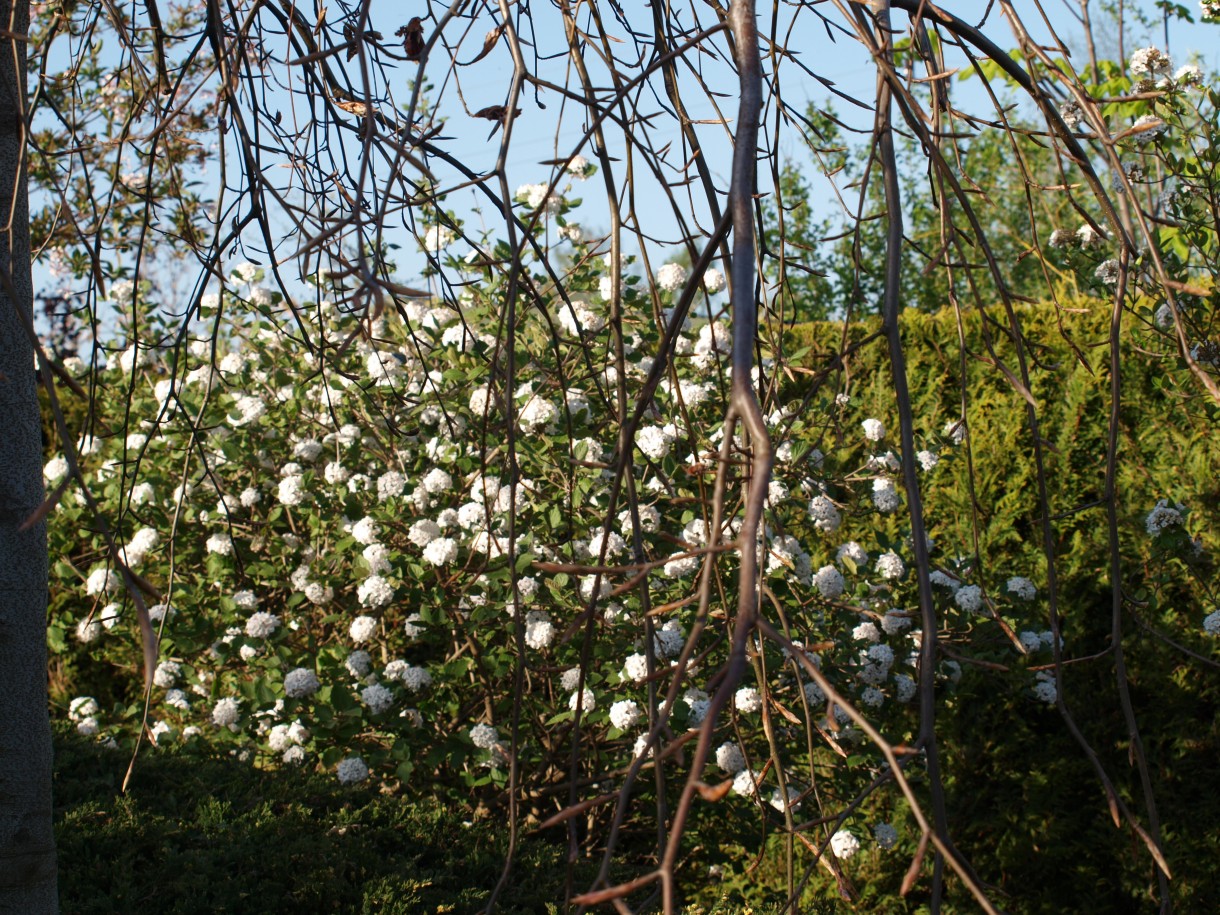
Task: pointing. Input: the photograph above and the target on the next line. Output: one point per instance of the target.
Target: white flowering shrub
(471, 536)
(351, 574)
(348, 600)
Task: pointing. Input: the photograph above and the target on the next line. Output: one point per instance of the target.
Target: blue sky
(554, 131)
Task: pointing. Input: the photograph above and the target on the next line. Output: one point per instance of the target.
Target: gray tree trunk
(27, 844)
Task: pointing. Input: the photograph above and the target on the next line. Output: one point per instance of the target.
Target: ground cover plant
(382, 484)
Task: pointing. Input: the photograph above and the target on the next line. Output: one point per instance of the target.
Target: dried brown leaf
(359, 109)
(489, 42)
(412, 35)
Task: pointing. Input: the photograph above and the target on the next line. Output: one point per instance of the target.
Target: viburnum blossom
(1150, 62)
(885, 495)
(351, 770)
(416, 678)
(1046, 688)
(1107, 272)
(671, 277)
(539, 630)
(730, 759)
(365, 531)
(825, 514)
(102, 581)
(375, 591)
(484, 736)
(1163, 516)
(791, 801)
(167, 674)
(390, 485)
(358, 663)
(866, 632)
(624, 714)
(1072, 113)
(535, 196)
(441, 551)
(969, 598)
(844, 844)
(585, 700)
(300, 683)
(886, 835)
(747, 700)
(653, 441)
(1089, 237)
(746, 783)
(262, 625)
(1021, 587)
(537, 414)
(226, 712)
(829, 582)
(889, 565)
(362, 629)
(636, 668)
(376, 698)
(377, 557)
(292, 490)
(853, 552)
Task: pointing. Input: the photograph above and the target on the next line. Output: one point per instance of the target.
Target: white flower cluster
(829, 582)
(654, 442)
(102, 581)
(484, 736)
(672, 277)
(624, 714)
(539, 195)
(376, 698)
(969, 598)
(167, 674)
(1163, 516)
(844, 844)
(886, 835)
(1150, 63)
(748, 700)
(262, 625)
(730, 759)
(226, 712)
(825, 514)
(301, 683)
(1108, 272)
(362, 629)
(890, 565)
(579, 317)
(1021, 587)
(351, 770)
(852, 552)
(374, 592)
(1046, 688)
(885, 495)
(786, 555)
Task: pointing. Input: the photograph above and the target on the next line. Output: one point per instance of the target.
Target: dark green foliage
(211, 834)
(1026, 806)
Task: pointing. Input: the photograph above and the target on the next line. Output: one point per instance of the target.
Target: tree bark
(27, 844)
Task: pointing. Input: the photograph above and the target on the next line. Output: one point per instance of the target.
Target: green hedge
(1025, 804)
